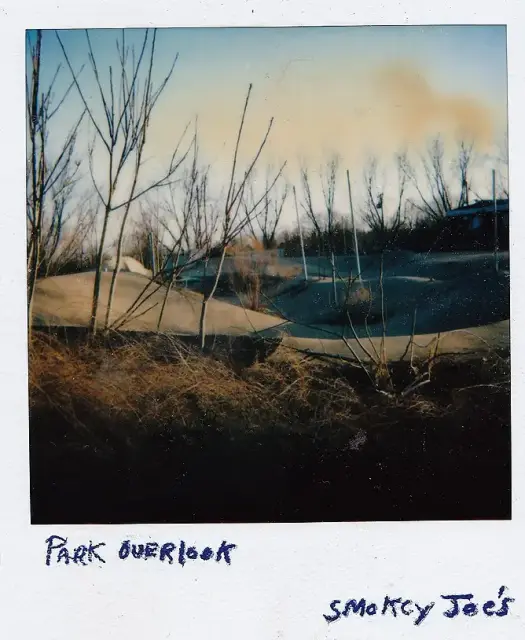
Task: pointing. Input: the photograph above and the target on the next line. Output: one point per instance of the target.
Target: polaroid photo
(257, 322)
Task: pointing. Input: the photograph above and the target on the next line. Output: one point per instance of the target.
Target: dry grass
(246, 278)
(123, 435)
(252, 275)
(128, 383)
(359, 305)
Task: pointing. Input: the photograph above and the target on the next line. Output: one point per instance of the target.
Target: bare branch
(81, 94)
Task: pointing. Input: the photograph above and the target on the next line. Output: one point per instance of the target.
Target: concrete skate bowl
(66, 300)
(453, 266)
(471, 300)
(370, 264)
(231, 284)
(437, 266)
(62, 307)
(392, 261)
(127, 264)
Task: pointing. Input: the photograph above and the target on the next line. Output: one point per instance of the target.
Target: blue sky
(353, 91)
(459, 58)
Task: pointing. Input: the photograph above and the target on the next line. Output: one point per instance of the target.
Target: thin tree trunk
(37, 232)
(383, 318)
(300, 236)
(98, 275)
(34, 253)
(165, 300)
(207, 298)
(319, 255)
(119, 247)
(32, 278)
(34, 263)
(354, 230)
(168, 287)
(334, 281)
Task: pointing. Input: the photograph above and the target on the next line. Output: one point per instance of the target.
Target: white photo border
(282, 577)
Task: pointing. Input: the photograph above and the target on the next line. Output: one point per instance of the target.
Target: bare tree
(185, 217)
(145, 236)
(438, 194)
(63, 230)
(235, 218)
(127, 104)
(50, 181)
(196, 220)
(385, 225)
(502, 170)
(464, 162)
(312, 214)
(328, 186)
(200, 218)
(190, 189)
(63, 246)
(270, 212)
(176, 223)
(206, 220)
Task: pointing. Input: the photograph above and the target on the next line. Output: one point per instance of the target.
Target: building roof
(480, 207)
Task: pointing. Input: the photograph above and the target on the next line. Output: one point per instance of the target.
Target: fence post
(356, 247)
(496, 239)
(300, 236)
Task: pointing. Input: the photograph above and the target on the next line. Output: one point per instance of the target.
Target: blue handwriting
(58, 552)
(460, 604)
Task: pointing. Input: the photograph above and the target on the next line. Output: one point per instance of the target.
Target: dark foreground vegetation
(125, 435)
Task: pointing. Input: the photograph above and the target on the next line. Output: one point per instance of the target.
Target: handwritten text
(58, 552)
(458, 604)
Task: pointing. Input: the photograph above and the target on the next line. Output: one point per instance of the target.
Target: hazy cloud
(415, 110)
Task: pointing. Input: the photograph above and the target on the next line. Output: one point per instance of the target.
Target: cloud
(413, 110)
(346, 109)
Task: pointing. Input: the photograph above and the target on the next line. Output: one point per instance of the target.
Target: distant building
(473, 211)
(472, 226)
